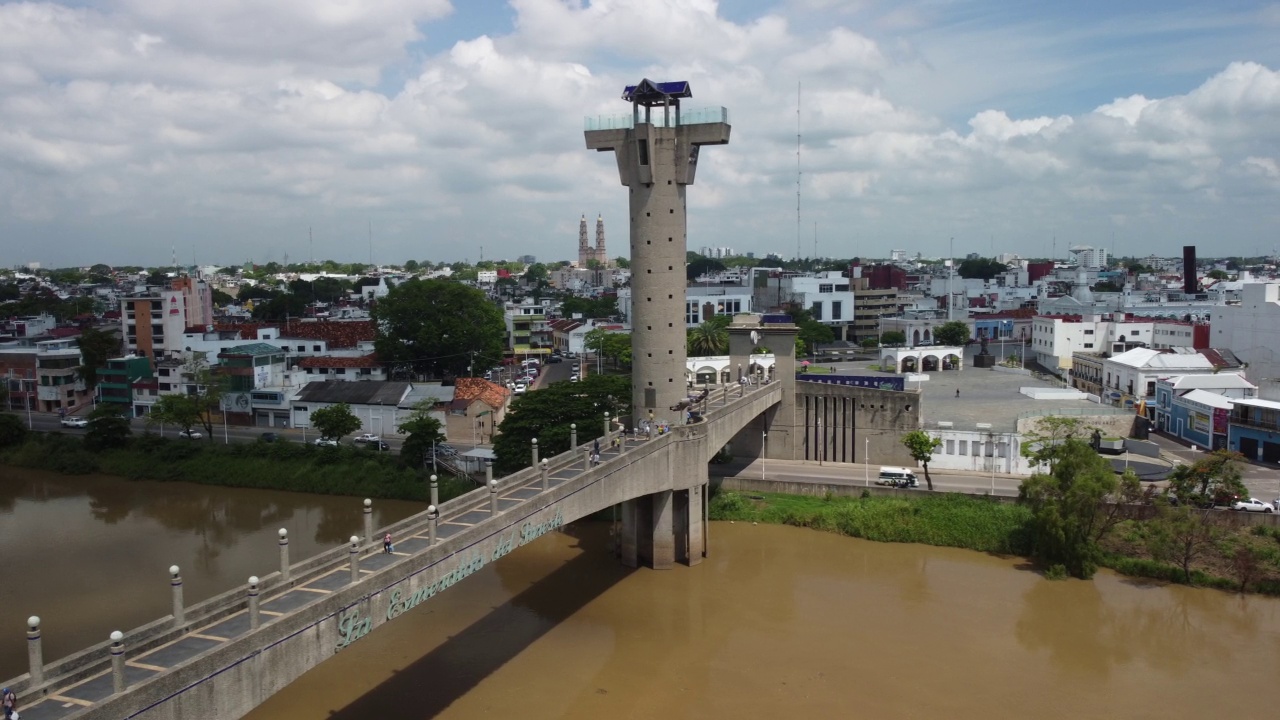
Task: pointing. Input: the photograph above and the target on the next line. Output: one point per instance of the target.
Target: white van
(898, 477)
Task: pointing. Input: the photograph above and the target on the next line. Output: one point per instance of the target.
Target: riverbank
(987, 525)
(292, 467)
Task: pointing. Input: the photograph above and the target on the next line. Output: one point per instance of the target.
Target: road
(859, 475)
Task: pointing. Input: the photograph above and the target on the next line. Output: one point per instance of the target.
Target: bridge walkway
(201, 639)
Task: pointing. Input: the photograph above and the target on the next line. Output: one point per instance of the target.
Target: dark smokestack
(1189, 284)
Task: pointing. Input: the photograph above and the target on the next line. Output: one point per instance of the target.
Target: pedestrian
(386, 543)
(9, 702)
(957, 392)
(595, 448)
(595, 458)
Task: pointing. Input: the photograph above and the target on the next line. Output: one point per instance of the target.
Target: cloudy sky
(229, 128)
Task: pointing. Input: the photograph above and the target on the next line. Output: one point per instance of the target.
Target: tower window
(642, 147)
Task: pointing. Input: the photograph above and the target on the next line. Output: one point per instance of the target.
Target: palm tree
(709, 338)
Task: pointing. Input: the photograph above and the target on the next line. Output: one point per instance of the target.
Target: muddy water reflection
(90, 554)
(782, 622)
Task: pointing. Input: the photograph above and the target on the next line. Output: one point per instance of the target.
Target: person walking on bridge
(386, 543)
(9, 701)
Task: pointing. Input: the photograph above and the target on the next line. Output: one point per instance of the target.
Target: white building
(1054, 338)
(1090, 257)
(701, 303)
(1252, 331)
(1133, 374)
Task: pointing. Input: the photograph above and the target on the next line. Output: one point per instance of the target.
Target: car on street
(74, 422)
(1252, 505)
(554, 359)
(519, 388)
(191, 434)
(898, 477)
(526, 379)
(269, 437)
(325, 442)
(573, 377)
(367, 437)
(378, 445)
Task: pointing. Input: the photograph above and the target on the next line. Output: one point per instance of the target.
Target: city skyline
(222, 132)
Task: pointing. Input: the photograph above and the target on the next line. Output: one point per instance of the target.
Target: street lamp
(866, 459)
(822, 439)
(764, 450)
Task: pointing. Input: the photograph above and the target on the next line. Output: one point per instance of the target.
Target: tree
(411, 266)
(96, 347)
(547, 414)
(12, 430)
(438, 325)
(622, 262)
(1067, 513)
(868, 343)
(954, 332)
(205, 389)
(1212, 479)
(1107, 286)
(180, 410)
(701, 266)
(981, 268)
(335, 422)
(709, 338)
(536, 273)
(108, 427)
(1216, 274)
(893, 338)
(1181, 535)
(1044, 441)
(601, 307)
(922, 445)
(813, 333)
(423, 432)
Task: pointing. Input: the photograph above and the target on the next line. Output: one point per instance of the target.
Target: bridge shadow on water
(452, 669)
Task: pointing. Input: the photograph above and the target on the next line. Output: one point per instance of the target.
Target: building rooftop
(1259, 403)
(1214, 400)
(367, 361)
(251, 349)
(1217, 381)
(472, 389)
(354, 393)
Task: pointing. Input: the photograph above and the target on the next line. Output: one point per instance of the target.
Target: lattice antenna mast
(798, 253)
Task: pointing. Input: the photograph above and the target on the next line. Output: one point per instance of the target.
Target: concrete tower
(657, 154)
(584, 246)
(602, 255)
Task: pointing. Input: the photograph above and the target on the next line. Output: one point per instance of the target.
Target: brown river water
(777, 622)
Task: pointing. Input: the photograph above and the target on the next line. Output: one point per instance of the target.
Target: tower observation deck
(657, 147)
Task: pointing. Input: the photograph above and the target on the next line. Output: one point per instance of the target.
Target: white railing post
(175, 585)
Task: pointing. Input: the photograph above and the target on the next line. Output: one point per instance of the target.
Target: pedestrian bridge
(220, 659)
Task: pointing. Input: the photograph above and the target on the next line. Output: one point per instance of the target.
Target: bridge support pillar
(694, 540)
(662, 539)
(628, 532)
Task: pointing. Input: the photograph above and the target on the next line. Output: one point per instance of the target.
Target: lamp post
(822, 440)
(866, 459)
(764, 450)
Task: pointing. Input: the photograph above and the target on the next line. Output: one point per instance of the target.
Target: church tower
(584, 246)
(602, 255)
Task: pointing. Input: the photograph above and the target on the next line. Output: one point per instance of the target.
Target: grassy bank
(269, 466)
(977, 523)
(945, 520)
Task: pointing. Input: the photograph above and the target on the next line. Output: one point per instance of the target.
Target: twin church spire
(586, 253)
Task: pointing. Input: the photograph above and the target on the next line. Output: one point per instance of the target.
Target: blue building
(1255, 429)
(1201, 420)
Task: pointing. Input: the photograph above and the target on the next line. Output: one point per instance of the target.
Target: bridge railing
(95, 659)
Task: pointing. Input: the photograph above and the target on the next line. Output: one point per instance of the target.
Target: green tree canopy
(547, 413)
(701, 266)
(411, 266)
(709, 338)
(922, 445)
(1217, 274)
(438, 326)
(954, 332)
(13, 431)
(601, 307)
(335, 422)
(108, 427)
(180, 410)
(96, 347)
(1212, 478)
(1068, 515)
(981, 268)
(423, 432)
(893, 338)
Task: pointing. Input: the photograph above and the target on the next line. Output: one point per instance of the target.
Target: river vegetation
(281, 465)
(1070, 521)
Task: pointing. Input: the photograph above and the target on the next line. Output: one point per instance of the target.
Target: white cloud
(233, 126)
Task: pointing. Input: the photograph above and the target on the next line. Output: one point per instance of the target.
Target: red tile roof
(472, 389)
(367, 361)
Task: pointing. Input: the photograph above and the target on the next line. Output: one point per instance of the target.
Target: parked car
(554, 359)
(573, 377)
(1252, 505)
(377, 445)
(519, 388)
(526, 379)
(367, 437)
(446, 449)
(326, 442)
(191, 434)
(269, 437)
(75, 422)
